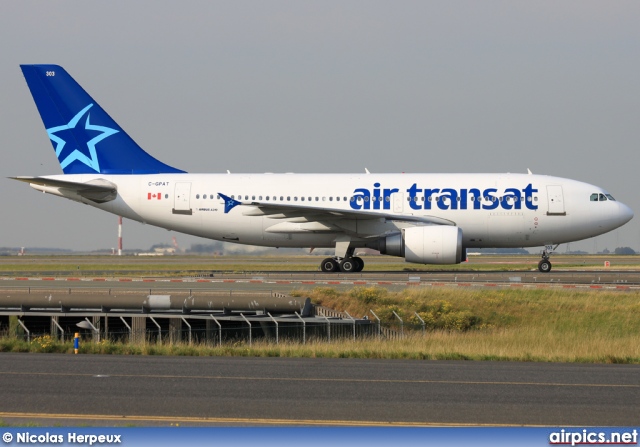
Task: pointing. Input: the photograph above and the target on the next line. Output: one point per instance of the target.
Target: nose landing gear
(545, 265)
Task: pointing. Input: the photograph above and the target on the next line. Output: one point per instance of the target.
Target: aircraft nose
(625, 214)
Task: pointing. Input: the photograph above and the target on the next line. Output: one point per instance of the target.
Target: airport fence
(326, 327)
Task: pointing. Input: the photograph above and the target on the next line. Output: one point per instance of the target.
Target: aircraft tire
(544, 266)
(359, 262)
(348, 265)
(329, 265)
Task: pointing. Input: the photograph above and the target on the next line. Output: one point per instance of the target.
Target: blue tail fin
(84, 136)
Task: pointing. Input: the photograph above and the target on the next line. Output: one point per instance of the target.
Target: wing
(313, 218)
(98, 190)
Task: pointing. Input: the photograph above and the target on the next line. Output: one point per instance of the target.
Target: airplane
(424, 218)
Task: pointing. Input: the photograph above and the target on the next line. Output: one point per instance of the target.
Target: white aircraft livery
(424, 218)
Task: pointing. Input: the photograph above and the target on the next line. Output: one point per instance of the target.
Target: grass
(460, 324)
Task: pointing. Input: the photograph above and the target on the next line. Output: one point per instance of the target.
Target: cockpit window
(600, 197)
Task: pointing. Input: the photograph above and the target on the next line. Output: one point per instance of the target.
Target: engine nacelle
(433, 244)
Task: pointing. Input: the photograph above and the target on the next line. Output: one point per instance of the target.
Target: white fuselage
(493, 210)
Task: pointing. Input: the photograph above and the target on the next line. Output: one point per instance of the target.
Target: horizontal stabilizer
(98, 190)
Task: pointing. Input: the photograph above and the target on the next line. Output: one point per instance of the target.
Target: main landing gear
(545, 265)
(343, 261)
(346, 265)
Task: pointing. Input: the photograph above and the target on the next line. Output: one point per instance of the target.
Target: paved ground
(285, 280)
(141, 390)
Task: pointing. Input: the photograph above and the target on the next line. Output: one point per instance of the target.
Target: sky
(327, 86)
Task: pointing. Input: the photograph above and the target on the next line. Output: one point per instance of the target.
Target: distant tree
(605, 251)
(506, 251)
(153, 247)
(205, 248)
(624, 251)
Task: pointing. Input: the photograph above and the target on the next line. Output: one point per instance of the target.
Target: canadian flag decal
(152, 195)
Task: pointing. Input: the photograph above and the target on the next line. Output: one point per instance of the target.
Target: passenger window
(197, 196)
(302, 199)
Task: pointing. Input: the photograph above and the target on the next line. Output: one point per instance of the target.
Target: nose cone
(624, 214)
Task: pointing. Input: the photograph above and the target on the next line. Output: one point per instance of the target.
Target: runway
(285, 282)
(142, 390)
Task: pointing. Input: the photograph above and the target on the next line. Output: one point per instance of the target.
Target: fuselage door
(182, 204)
(398, 202)
(556, 201)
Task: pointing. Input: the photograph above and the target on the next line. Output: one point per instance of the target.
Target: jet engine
(433, 244)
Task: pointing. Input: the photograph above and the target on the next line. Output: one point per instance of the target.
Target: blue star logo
(229, 203)
(91, 160)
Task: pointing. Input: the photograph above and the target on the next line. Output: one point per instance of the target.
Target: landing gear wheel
(329, 265)
(544, 266)
(348, 265)
(359, 263)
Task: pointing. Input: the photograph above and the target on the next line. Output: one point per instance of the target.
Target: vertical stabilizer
(85, 138)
